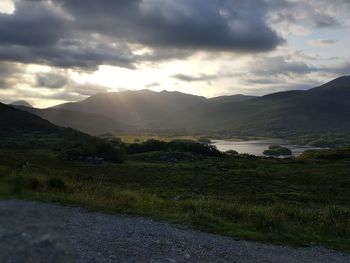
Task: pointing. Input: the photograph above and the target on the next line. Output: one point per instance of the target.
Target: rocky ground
(38, 232)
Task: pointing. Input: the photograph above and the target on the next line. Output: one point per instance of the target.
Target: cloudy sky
(53, 51)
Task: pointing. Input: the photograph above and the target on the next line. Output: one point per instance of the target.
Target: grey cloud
(280, 66)
(340, 69)
(86, 89)
(51, 80)
(189, 78)
(34, 24)
(54, 80)
(324, 21)
(154, 84)
(88, 33)
(193, 24)
(262, 81)
(10, 74)
(317, 14)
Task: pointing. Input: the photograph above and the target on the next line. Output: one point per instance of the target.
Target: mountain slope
(86, 122)
(322, 109)
(14, 121)
(21, 103)
(233, 98)
(22, 130)
(325, 108)
(142, 109)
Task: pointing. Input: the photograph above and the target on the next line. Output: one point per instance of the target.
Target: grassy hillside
(90, 123)
(21, 130)
(13, 121)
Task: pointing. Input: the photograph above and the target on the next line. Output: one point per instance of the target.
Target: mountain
(92, 124)
(21, 103)
(21, 130)
(142, 109)
(232, 98)
(16, 121)
(321, 109)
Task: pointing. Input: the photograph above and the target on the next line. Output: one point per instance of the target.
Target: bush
(231, 153)
(112, 151)
(56, 184)
(331, 154)
(204, 140)
(18, 185)
(276, 150)
(175, 145)
(33, 184)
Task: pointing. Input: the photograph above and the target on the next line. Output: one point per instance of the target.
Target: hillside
(21, 130)
(141, 109)
(322, 109)
(232, 98)
(21, 103)
(14, 121)
(90, 123)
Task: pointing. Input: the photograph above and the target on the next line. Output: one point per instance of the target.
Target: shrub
(56, 184)
(111, 151)
(276, 150)
(18, 185)
(231, 153)
(33, 183)
(330, 154)
(204, 140)
(173, 146)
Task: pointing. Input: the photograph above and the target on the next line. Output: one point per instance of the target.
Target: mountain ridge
(320, 109)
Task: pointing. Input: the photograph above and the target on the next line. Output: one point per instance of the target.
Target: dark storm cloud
(34, 24)
(194, 24)
(88, 33)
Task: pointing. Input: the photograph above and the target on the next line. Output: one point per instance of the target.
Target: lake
(257, 147)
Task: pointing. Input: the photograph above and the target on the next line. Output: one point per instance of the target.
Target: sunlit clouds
(57, 51)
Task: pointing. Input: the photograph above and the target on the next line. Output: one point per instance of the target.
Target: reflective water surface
(257, 147)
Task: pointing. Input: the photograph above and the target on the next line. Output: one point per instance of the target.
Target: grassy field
(297, 202)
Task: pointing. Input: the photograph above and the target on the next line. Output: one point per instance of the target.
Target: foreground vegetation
(301, 202)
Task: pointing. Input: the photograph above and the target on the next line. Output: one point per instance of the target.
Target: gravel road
(38, 232)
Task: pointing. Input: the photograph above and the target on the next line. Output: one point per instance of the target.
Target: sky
(55, 51)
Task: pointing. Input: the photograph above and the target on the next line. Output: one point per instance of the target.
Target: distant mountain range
(321, 109)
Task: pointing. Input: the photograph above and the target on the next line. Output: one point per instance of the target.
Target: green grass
(296, 202)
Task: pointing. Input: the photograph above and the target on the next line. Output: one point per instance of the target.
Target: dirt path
(37, 232)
